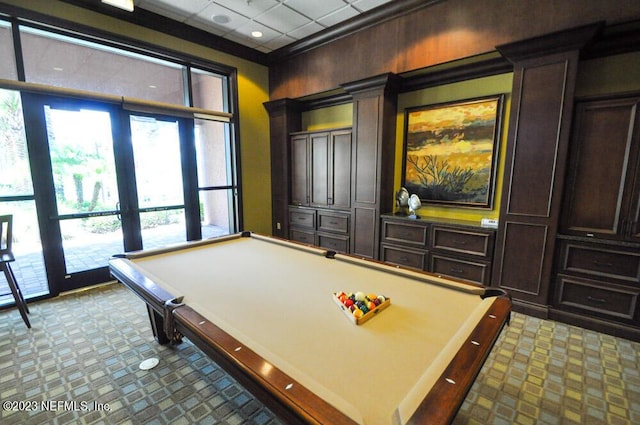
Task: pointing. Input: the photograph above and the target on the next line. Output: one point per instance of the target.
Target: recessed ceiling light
(57, 68)
(221, 19)
(256, 34)
(151, 86)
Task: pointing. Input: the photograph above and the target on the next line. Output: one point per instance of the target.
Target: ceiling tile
(338, 16)
(315, 9)
(182, 7)
(282, 18)
(305, 30)
(246, 30)
(278, 42)
(365, 5)
(250, 9)
(240, 39)
(171, 13)
(215, 14)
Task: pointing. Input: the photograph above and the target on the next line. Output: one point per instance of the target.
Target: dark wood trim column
(373, 152)
(285, 117)
(541, 110)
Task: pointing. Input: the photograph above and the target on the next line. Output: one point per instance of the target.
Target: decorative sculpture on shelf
(414, 205)
(402, 200)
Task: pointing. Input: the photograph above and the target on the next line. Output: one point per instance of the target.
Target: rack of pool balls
(360, 307)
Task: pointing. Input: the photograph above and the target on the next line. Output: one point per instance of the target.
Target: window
(15, 171)
(16, 198)
(216, 178)
(208, 91)
(62, 61)
(139, 87)
(66, 61)
(7, 56)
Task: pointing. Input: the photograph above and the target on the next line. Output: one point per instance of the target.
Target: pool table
(263, 308)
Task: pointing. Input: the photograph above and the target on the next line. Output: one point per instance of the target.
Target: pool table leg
(157, 326)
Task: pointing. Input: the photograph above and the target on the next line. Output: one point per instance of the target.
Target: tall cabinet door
(319, 143)
(340, 170)
(602, 196)
(299, 169)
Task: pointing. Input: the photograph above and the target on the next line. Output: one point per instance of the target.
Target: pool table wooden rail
(171, 320)
(456, 380)
(287, 398)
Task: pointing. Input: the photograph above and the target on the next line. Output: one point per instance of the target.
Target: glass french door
(159, 180)
(109, 181)
(85, 186)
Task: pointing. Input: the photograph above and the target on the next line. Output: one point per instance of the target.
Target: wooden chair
(6, 258)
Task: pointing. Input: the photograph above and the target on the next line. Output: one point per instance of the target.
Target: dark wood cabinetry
(375, 102)
(405, 242)
(347, 171)
(544, 81)
(321, 189)
(462, 252)
(321, 169)
(603, 184)
(598, 286)
(598, 267)
(321, 227)
(454, 248)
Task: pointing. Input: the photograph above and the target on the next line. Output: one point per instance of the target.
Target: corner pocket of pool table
(277, 390)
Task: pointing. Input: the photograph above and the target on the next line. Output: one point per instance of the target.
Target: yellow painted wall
(327, 118)
(253, 91)
(613, 74)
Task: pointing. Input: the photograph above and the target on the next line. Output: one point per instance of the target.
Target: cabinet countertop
(436, 220)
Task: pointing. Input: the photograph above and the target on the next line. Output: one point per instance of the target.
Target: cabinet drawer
(595, 297)
(405, 257)
(405, 233)
(302, 218)
(603, 262)
(462, 241)
(333, 222)
(334, 242)
(302, 236)
(471, 271)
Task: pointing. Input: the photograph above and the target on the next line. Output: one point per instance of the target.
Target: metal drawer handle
(403, 258)
(601, 264)
(459, 271)
(596, 300)
(301, 218)
(333, 222)
(455, 242)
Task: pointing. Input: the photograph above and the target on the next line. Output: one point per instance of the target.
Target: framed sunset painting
(451, 151)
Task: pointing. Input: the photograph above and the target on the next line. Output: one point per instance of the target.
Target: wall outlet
(491, 223)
